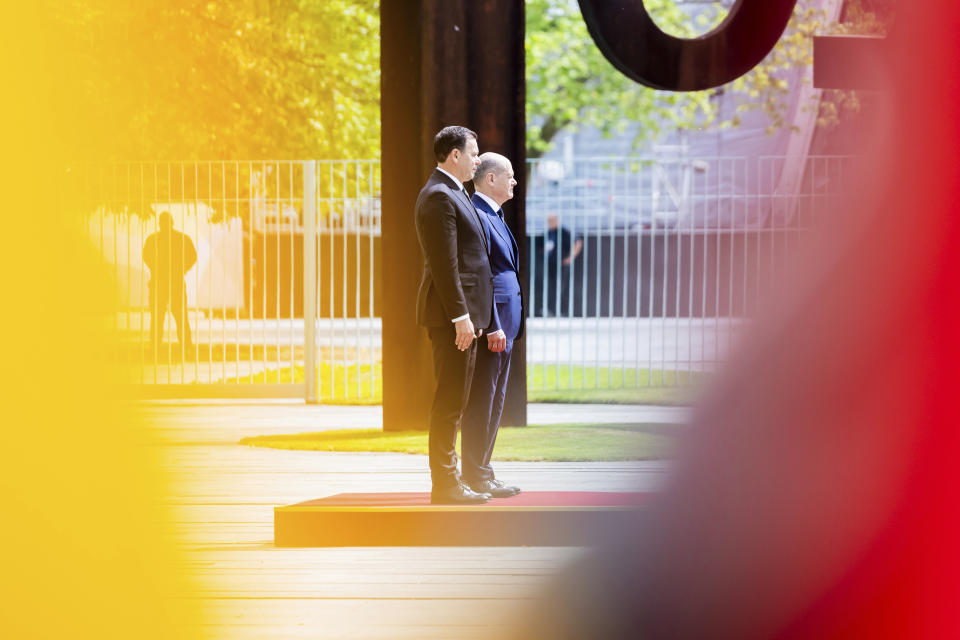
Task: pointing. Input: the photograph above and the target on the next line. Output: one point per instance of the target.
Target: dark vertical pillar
(498, 114)
(442, 63)
(407, 365)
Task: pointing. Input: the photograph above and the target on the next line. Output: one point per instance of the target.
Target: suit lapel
(516, 251)
(508, 239)
(476, 218)
(461, 197)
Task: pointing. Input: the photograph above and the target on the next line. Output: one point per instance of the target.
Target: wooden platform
(538, 518)
(222, 499)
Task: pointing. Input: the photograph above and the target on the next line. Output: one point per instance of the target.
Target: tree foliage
(571, 84)
(182, 79)
(240, 79)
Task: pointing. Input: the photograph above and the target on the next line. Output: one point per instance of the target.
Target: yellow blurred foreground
(83, 547)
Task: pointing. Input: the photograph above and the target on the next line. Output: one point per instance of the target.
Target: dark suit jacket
(456, 270)
(169, 254)
(505, 264)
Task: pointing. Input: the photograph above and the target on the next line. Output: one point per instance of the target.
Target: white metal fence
(257, 286)
(641, 269)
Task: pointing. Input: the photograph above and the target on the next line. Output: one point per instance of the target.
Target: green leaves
(186, 79)
(203, 79)
(570, 83)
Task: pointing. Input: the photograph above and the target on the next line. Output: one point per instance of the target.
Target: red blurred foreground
(816, 496)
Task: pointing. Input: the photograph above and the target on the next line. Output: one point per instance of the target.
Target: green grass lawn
(548, 443)
(606, 385)
(339, 384)
(363, 384)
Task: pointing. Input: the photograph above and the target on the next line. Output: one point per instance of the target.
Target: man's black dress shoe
(495, 488)
(458, 493)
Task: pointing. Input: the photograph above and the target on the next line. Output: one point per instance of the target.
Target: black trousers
(454, 373)
(558, 302)
(175, 299)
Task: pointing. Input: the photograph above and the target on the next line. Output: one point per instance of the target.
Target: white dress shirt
(442, 170)
(490, 201)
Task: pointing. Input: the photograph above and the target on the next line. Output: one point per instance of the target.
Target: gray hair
(491, 162)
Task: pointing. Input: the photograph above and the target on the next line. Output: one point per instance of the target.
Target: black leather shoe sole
(458, 497)
(505, 491)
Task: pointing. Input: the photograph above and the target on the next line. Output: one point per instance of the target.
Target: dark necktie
(500, 214)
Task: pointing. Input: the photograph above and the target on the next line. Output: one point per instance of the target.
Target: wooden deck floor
(224, 496)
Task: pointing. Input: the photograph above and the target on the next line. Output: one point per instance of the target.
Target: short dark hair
(450, 138)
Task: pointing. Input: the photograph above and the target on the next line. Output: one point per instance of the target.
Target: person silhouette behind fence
(170, 255)
(559, 250)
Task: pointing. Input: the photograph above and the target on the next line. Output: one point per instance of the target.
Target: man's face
(467, 160)
(501, 188)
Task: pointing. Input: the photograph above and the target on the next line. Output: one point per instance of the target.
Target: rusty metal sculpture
(634, 44)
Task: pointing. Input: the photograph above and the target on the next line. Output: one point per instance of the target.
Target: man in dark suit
(169, 254)
(494, 183)
(455, 298)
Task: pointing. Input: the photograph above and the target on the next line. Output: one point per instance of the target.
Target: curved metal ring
(630, 40)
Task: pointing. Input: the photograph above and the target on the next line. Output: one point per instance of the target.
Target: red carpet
(535, 518)
(525, 499)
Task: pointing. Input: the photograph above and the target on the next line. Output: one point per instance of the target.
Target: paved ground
(227, 421)
(224, 495)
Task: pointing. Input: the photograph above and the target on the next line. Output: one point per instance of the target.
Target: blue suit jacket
(505, 265)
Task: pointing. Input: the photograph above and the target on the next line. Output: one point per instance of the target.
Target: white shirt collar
(493, 203)
(459, 184)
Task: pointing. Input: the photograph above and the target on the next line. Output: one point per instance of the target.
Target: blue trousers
(481, 419)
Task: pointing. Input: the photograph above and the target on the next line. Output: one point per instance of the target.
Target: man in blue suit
(494, 184)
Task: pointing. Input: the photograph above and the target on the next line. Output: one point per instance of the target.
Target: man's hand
(497, 341)
(465, 333)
